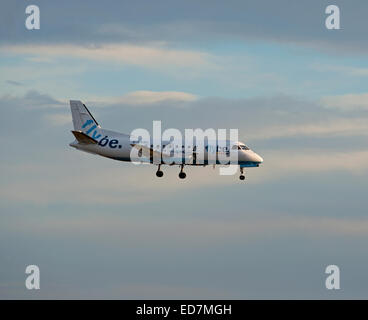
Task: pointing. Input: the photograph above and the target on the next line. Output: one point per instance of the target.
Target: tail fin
(82, 118)
(83, 121)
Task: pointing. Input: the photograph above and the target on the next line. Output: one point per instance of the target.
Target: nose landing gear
(159, 173)
(242, 175)
(182, 174)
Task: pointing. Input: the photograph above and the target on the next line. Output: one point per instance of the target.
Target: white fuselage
(119, 146)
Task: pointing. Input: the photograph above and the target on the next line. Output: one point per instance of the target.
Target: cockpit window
(240, 147)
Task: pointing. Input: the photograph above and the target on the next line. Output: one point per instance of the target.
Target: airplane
(91, 138)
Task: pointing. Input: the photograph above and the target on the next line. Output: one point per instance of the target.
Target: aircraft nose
(258, 158)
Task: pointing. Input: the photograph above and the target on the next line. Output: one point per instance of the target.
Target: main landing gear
(182, 174)
(159, 173)
(242, 176)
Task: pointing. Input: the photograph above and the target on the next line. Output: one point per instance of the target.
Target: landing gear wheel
(242, 176)
(159, 173)
(182, 174)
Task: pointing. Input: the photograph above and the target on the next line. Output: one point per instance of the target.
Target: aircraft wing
(148, 151)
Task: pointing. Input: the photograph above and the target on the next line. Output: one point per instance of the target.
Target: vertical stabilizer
(82, 118)
(83, 121)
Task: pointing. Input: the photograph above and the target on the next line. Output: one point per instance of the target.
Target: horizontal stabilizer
(83, 138)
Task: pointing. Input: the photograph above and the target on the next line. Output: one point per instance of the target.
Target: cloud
(327, 128)
(347, 101)
(154, 56)
(31, 99)
(183, 230)
(191, 21)
(301, 161)
(54, 78)
(346, 70)
(37, 100)
(58, 119)
(40, 59)
(14, 83)
(122, 181)
(148, 98)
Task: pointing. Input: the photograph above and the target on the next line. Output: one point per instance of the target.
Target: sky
(103, 229)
